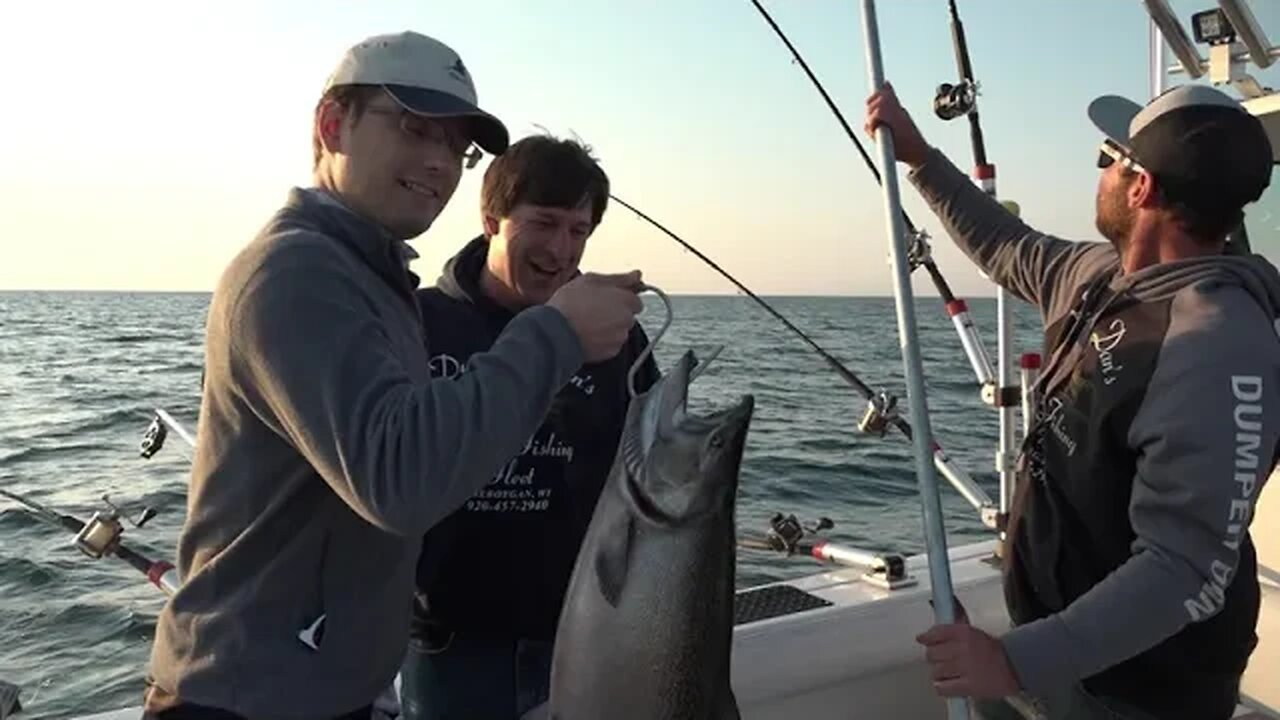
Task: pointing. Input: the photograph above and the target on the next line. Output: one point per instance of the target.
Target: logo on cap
(459, 72)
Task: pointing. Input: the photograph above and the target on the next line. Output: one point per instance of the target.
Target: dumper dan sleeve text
(1205, 438)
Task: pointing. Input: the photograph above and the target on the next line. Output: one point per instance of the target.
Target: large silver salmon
(647, 624)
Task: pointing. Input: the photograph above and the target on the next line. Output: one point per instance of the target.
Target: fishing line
(950, 102)
(835, 364)
(882, 405)
(911, 229)
(924, 259)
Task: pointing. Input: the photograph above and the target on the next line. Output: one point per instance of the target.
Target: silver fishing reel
(101, 535)
(919, 251)
(882, 411)
(953, 101)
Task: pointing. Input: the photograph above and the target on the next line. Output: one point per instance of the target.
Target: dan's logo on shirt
(584, 382)
(444, 366)
(448, 366)
(1105, 343)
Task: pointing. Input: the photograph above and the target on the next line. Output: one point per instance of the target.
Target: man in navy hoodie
(492, 576)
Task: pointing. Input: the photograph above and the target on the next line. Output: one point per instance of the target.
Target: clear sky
(143, 143)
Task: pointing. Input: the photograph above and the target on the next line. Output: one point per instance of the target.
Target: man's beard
(1114, 218)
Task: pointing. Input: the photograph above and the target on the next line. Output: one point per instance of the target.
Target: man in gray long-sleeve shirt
(1130, 574)
(324, 449)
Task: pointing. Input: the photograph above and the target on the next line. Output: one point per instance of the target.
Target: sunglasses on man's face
(1110, 153)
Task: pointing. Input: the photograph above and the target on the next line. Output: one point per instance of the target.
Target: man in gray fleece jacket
(325, 450)
(1130, 573)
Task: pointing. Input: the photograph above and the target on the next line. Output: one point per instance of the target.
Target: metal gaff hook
(648, 349)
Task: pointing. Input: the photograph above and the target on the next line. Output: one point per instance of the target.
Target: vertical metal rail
(935, 533)
(1157, 58)
(1003, 395)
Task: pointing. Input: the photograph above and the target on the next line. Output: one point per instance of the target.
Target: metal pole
(1006, 462)
(935, 533)
(1156, 59)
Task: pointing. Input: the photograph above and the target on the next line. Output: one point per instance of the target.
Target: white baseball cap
(424, 76)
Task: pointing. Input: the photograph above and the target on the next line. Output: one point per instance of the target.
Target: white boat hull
(858, 655)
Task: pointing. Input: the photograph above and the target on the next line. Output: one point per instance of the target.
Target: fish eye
(716, 440)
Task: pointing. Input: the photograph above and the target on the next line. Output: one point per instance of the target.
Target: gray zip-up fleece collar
(368, 238)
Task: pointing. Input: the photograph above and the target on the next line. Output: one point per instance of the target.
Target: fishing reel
(919, 252)
(785, 533)
(882, 411)
(953, 101)
(158, 431)
(153, 439)
(101, 535)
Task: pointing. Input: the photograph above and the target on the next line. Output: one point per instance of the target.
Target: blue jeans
(474, 678)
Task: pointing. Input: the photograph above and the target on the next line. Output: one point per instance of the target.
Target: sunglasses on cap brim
(1109, 153)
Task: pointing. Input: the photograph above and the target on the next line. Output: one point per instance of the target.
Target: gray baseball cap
(1201, 145)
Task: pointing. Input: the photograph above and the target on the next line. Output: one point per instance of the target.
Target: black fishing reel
(153, 439)
(786, 532)
(101, 535)
(953, 101)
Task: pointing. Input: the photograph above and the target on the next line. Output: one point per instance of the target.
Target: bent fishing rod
(918, 252)
(835, 364)
(882, 412)
(100, 536)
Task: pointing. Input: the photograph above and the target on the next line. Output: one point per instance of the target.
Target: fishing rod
(951, 102)
(919, 252)
(882, 411)
(100, 536)
(835, 364)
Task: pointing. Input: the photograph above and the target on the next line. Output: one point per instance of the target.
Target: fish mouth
(666, 407)
(696, 469)
(666, 404)
(740, 411)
